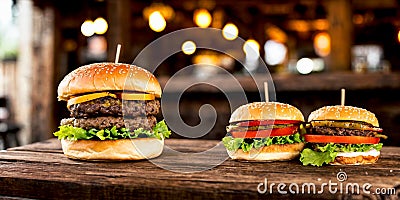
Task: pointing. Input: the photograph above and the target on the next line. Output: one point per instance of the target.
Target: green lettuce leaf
(315, 158)
(232, 144)
(247, 146)
(75, 133)
(328, 153)
(161, 130)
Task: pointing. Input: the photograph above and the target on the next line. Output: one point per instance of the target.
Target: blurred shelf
(284, 82)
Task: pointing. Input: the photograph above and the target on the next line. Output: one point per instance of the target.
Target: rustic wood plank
(184, 145)
(237, 178)
(39, 171)
(51, 145)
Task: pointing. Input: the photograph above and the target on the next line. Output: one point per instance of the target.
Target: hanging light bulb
(230, 31)
(87, 28)
(202, 18)
(157, 22)
(100, 26)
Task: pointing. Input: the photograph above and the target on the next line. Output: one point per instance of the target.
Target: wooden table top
(40, 170)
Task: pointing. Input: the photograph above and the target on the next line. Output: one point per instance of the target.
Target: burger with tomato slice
(342, 135)
(113, 109)
(265, 131)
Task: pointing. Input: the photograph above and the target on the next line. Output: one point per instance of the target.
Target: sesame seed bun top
(100, 77)
(266, 111)
(339, 112)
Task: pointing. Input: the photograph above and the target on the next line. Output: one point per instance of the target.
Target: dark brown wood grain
(40, 170)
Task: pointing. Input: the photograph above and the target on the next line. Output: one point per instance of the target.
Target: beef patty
(336, 131)
(109, 106)
(107, 112)
(98, 123)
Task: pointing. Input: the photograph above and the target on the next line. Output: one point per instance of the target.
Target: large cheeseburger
(264, 131)
(342, 135)
(113, 110)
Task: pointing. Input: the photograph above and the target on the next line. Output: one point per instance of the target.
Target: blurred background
(312, 48)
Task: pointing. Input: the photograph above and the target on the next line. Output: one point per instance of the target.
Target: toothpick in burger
(113, 109)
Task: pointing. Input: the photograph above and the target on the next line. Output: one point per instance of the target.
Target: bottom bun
(275, 152)
(113, 150)
(356, 159)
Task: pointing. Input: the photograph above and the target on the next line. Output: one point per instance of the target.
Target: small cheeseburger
(342, 135)
(264, 131)
(113, 110)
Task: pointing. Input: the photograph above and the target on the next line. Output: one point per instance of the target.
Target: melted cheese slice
(136, 96)
(125, 96)
(88, 97)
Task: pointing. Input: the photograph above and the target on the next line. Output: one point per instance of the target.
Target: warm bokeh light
(276, 34)
(252, 50)
(87, 28)
(188, 47)
(97, 47)
(305, 66)
(230, 31)
(202, 18)
(358, 19)
(321, 24)
(275, 52)
(166, 11)
(251, 47)
(206, 59)
(322, 44)
(398, 36)
(298, 25)
(100, 26)
(157, 22)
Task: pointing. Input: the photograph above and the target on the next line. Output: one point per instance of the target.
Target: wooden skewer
(343, 91)
(117, 54)
(266, 91)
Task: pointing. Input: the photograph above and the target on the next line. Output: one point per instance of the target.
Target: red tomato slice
(266, 133)
(341, 139)
(266, 122)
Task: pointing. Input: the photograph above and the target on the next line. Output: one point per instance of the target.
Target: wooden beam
(341, 32)
(43, 97)
(24, 71)
(119, 16)
(35, 73)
